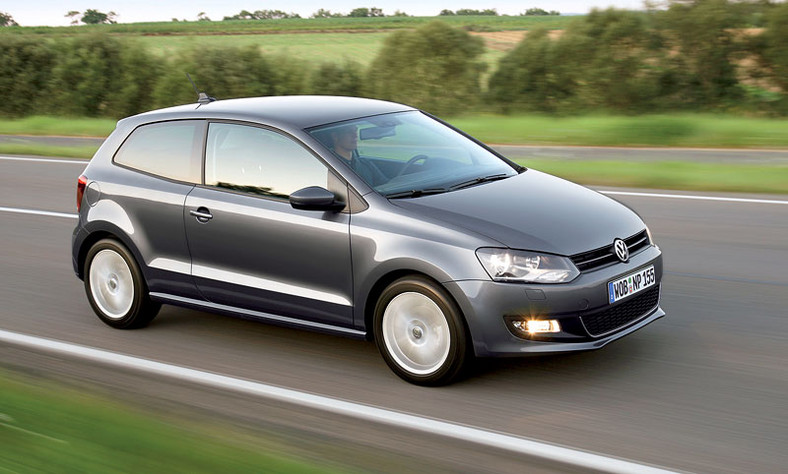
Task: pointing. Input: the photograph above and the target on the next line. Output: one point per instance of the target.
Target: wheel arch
(106, 232)
(384, 281)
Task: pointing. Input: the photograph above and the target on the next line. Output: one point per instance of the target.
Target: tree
(336, 79)
(202, 17)
(535, 12)
(359, 13)
(703, 35)
(774, 50)
(434, 67)
(399, 13)
(7, 20)
(446, 12)
(95, 17)
(262, 15)
(73, 14)
(473, 12)
(24, 73)
(323, 13)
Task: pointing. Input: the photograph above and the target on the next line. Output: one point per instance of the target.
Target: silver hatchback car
(357, 217)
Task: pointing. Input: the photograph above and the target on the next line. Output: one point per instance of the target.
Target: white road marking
(38, 212)
(528, 447)
(45, 160)
(698, 198)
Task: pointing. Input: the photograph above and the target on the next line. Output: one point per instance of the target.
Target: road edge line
(690, 196)
(37, 212)
(67, 161)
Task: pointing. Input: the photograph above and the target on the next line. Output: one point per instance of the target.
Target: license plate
(631, 284)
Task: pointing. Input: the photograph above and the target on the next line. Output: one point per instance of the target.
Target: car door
(249, 247)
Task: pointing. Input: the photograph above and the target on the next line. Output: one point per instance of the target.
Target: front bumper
(487, 304)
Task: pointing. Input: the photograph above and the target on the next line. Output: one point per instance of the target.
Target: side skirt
(256, 315)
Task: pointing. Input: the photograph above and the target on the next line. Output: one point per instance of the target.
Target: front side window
(408, 154)
(168, 149)
(259, 161)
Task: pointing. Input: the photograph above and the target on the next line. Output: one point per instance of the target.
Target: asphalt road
(702, 390)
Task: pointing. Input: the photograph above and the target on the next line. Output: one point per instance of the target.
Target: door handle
(202, 214)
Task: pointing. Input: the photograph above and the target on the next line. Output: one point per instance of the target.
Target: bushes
(85, 76)
(99, 76)
(773, 49)
(435, 67)
(225, 72)
(337, 79)
(691, 56)
(611, 60)
(24, 73)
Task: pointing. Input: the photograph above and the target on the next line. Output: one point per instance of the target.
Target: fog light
(538, 326)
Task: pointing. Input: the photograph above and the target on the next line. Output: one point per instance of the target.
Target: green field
(314, 48)
(49, 427)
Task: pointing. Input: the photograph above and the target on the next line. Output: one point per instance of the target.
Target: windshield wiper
(475, 181)
(416, 193)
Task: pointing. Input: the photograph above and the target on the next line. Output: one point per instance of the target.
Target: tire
(420, 332)
(115, 287)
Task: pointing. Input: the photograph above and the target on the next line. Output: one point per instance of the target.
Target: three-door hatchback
(358, 217)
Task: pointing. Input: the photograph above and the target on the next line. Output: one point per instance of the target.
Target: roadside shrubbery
(24, 73)
(435, 67)
(695, 55)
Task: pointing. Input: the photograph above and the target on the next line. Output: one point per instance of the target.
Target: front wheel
(420, 332)
(115, 287)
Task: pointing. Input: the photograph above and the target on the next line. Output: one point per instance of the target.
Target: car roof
(300, 112)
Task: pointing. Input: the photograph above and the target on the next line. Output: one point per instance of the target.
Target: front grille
(615, 317)
(604, 256)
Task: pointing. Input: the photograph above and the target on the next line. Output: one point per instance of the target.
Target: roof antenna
(202, 97)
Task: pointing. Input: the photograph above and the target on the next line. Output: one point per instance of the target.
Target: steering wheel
(412, 162)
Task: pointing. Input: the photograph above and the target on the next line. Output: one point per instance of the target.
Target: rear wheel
(420, 332)
(115, 287)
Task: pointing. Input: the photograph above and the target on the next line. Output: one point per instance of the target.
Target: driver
(344, 143)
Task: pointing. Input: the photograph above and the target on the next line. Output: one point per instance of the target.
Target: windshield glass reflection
(409, 154)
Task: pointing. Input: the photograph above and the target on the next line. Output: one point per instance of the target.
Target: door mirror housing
(315, 198)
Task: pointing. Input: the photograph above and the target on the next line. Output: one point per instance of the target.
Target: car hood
(533, 211)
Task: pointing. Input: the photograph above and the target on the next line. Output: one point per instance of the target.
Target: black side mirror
(315, 198)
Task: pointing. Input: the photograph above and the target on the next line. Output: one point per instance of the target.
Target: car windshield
(409, 154)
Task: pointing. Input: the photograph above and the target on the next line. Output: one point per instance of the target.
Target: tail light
(81, 183)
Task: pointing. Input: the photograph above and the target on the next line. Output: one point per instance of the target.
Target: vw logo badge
(620, 247)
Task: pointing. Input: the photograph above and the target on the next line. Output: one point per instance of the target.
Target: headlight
(522, 266)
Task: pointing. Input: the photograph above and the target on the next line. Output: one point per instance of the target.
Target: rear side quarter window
(167, 149)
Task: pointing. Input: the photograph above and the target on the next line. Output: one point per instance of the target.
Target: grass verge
(45, 427)
(687, 176)
(58, 126)
(673, 130)
(47, 150)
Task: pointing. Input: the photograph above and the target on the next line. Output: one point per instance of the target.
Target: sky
(52, 12)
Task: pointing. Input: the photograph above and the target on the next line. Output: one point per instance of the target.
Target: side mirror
(315, 198)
